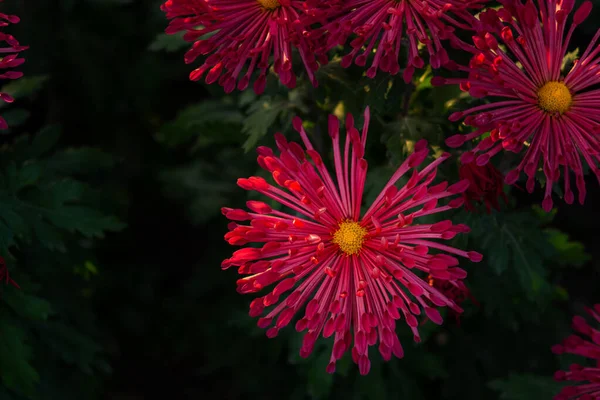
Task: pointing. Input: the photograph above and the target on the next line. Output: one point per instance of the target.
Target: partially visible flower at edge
(381, 25)
(242, 36)
(555, 117)
(11, 60)
(356, 274)
(4, 275)
(487, 186)
(587, 347)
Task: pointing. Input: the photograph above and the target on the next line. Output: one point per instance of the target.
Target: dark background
(145, 311)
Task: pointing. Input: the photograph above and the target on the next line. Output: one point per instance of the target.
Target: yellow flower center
(555, 97)
(269, 4)
(350, 237)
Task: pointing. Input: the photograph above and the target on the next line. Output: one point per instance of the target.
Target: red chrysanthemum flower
(487, 185)
(4, 275)
(380, 25)
(11, 46)
(555, 117)
(240, 36)
(356, 274)
(588, 347)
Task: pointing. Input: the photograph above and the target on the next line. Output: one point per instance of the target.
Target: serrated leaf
(514, 241)
(87, 221)
(261, 116)
(37, 202)
(26, 305)
(72, 346)
(570, 253)
(210, 122)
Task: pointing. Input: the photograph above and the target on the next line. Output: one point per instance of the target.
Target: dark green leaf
(526, 387)
(15, 369)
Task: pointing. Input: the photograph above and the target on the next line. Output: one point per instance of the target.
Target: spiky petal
(9, 52)
(586, 344)
(555, 117)
(379, 27)
(353, 274)
(243, 37)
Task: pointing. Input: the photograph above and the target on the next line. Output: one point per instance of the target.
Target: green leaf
(526, 387)
(15, 116)
(27, 305)
(514, 243)
(211, 122)
(87, 221)
(570, 253)
(15, 370)
(72, 346)
(6, 238)
(261, 116)
(202, 186)
(43, 141)
(569, 59)
(37, 201)
(24, 87)
(168, 43)
(79, 161)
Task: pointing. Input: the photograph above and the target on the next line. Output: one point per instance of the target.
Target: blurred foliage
(112, 176)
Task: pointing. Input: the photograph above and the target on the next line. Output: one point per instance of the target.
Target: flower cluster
(356, 273)
(587, 347)
(379, 26)
(554, 116)
(12, 48)
(241, 36)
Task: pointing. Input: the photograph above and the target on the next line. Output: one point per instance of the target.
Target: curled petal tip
(455, 141)
(297, 123)
(582, 12)
(475, 256)
(547, 204)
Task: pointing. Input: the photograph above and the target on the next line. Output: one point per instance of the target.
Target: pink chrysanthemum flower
(240, 36)
(12, 47)
(588, 347)
(555, 117)
(356, 273)
(380, 25)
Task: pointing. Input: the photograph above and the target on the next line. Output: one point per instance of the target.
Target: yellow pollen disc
(350, 237)
(555, 97)
(269, 4)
